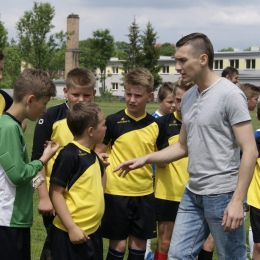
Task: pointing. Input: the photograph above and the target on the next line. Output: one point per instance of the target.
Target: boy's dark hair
(80, 77)
(81, 116)
(139, 77)
(201, 44)
(185, 86)
(33, 82)
(1, 54)
(230, 71)
(165, 89)
(250, 90)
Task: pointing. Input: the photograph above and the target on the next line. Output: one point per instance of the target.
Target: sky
(227, 23)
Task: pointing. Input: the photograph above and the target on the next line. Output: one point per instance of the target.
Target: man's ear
(228, 77)
(203, 60)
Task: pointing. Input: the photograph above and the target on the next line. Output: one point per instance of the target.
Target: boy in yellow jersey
(170, 180)
(76, 188)
(80, 84)
(130, 202)
(253, 198)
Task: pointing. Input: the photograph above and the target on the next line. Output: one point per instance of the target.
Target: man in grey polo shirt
(216, 123)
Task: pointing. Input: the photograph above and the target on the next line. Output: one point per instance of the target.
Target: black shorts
(62, 248)
(125, 215)
(15, 243)
(255, 223)
(166, 210)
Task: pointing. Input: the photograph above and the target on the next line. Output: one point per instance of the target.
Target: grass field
(38, 231)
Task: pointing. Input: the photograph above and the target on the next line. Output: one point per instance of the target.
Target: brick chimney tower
(72, 44)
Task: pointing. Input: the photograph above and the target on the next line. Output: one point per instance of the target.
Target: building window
(218, 64)
(234, 64)
(250, 64)
(115, 70)
(114, 86)
(165, 69)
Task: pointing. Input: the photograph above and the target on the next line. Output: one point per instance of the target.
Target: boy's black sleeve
(42, 133)
(162, 140)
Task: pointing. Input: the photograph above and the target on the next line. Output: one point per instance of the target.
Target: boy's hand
(129, 165)
(45, 207)
(103, 157)
(77, 235)
(50, 148)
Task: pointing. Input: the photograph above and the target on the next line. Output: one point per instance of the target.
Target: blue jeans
(199, 215)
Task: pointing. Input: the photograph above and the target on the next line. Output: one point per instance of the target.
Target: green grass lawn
(38, 231)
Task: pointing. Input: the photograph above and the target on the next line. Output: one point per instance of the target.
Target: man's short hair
(80, 77)
(165, 89)
(1, 54)
(81, 116)
(230, 71)
(139, 77)
(33, 82)
(250, 90)
(201, 44)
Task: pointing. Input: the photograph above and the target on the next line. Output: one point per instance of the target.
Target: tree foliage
(167, 49)
(133, 51)
(141, 51)
(151, 54)
(12, 64)
(95, 52)
(38, 46)
(3, 35)
(229, 49)
(120, 49)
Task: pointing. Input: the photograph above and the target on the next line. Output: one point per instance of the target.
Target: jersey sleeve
(12, 161)
(108, 134)
(64, 167)
(8, 101)
(162, 140)
(42, 133)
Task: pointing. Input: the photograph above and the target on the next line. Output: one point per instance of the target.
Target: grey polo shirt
(212, 149)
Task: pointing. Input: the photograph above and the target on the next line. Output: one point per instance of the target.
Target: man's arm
(76, 234)
(171, 153)
(234, 213)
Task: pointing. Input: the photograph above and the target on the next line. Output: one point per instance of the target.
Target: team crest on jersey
(82, 153)
(123, 120)
(174, 123)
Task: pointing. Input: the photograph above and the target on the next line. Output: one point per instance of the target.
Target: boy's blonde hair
(250, 90)
(81, 116)
(185, 86)
(80, 77)
(33, 82)
(139, 77)
(165, 89)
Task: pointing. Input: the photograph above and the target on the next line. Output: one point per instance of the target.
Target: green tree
(12, 64)
(37, 45)
(247, 49)
(230, 49)
(85, 57)
(167, 49)
(133, 51)
(120, 49)
(3, 35)
(151, 54)
(101, 50)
